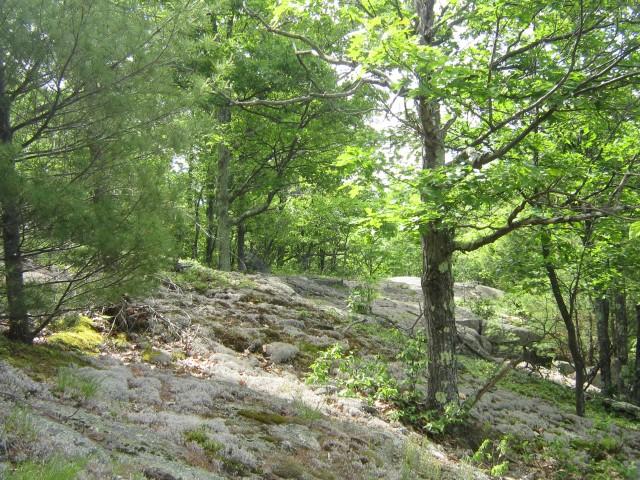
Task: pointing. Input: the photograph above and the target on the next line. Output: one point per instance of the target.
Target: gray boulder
(280, 352)
(467, 318)
(509, 334)
(563, 367)
(474, 341)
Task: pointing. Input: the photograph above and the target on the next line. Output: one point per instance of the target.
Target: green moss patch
(39, 361)
(268, 418)
(81, 337)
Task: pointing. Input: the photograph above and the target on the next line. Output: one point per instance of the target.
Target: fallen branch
(492, 382)
(623, 407)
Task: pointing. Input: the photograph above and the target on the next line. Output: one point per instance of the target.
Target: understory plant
(370, 379)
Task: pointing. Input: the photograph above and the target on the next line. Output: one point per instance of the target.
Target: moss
(81, 337)
(211, 447)
(39, 361)
(309, 348)
(267, 417)
(177, 355)
(231, 339)
(120, 341)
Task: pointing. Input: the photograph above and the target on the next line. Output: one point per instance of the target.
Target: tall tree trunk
(196, 224)
(223, 237)
(321, 260)
(602, 318)
(622, 328)
(636, 382)
(19, 327)
(240, 247)
(567, 318)
(437, 248)
(211, 214)
(621, 331)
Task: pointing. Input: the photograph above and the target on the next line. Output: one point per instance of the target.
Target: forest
(484, 152)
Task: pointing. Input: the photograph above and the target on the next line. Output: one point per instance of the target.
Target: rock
(159, 357)
(280, 352)
(467, 318)
(154, 473)
(297, 436)
(507, 333)
(563, 367)
(476, 342)
(489, 292)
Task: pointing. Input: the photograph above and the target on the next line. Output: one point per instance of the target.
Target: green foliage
(354, 375)
(492, 455)
(320, 369)
(370, 379)
(361, 298)
(55, 468)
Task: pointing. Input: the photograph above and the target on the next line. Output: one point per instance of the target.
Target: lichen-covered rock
(280, 352)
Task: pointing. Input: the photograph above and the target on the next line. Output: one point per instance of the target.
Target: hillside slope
(206, 380)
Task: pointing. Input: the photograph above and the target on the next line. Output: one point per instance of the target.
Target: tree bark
(636, 383)
(602, 316)
(19, 325)
(622, 328)
(240, 247)
(567, 318)
(223, 237)
(437, 248)
(210, 214)
(620, 347)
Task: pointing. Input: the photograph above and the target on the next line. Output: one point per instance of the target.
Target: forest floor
(208, 379)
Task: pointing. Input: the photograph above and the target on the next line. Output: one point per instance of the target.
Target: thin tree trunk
(321, 260)
(567, 318)
(223, 237)
(196, 224)
(636, 383)
(621, 331)
(622, 328)
(240, 247)
(211, 226)
(19, 327)
(602, 315)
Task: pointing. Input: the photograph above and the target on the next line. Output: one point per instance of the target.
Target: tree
(493, 85)
(254, 156)
(82, 191)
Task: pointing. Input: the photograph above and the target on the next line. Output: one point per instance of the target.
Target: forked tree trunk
(223, 237)
(19, 328)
